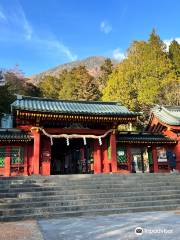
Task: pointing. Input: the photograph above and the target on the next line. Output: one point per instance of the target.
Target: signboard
(2, 78)
(161, 154)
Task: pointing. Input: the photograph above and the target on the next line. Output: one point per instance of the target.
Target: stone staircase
(76, 195)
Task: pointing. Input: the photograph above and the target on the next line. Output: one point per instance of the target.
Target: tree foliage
(76, 84)
(105, 70)
(15, 83)
(147, 76)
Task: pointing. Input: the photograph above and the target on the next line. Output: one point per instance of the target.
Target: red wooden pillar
(7, 163)
(129, 158)
(177, 153)
(154, 157)
(25, 161)
(36, 155)
(97, 157)
(113, 152)
(105, 157)
(45, 156)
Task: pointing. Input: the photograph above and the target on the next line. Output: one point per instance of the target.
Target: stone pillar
(97, 157)
(155, 161)
(36, 155)
(113, 152)
(7, 162)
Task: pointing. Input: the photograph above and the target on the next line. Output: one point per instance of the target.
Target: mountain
(91, 63)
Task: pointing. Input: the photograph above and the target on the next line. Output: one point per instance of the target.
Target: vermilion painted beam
(75, 131)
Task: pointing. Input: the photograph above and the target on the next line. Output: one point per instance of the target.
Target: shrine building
(51, 136)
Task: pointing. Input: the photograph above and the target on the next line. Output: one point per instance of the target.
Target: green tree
(85, 85)
(174, 55)
(145, 77)
(105, 70)
(50, 86)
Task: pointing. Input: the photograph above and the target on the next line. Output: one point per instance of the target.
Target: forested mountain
(92, 65)
(149, 75)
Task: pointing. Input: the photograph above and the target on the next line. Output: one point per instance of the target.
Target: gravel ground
(151, 226)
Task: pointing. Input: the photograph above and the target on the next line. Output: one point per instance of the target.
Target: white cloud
(54, 46)
(18, 29)
(2, 15)
(118, 55)
(168, 41)
(105, 27)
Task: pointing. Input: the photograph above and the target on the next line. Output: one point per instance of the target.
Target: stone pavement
(155, 225)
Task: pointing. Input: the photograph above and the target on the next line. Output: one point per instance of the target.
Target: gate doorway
(74, 158)
(140, 160)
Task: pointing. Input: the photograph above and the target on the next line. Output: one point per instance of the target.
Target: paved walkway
(150, 226)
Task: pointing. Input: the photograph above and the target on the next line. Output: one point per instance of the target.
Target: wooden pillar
(129, 158)
(113, 152)
(7, 163)
(25, 161)
(45, 156)
(155, 161)
(105, 157)
(177, 153)
(36, 155)
(97, 157)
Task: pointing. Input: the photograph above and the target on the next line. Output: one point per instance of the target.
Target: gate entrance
(74, 158)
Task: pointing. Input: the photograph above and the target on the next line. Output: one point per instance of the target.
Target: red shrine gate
(67, 137)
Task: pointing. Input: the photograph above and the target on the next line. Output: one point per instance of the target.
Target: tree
(145, 77)
(85, 86)
(6, 99)
(174, 55)
(106, 69)
(50, 86)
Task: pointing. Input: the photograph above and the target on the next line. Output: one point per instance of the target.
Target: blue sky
(40, 34)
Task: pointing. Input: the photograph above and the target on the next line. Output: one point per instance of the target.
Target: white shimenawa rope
(70, 136)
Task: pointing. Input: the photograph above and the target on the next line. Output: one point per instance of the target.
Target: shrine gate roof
(144, 137)
(34, 104)
(167, 114)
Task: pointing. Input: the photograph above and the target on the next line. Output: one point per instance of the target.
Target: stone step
(64, 202)
(51, 209)
(49, 196)
(55, 190)
(43, 192)
(92, 176)
(88, 212)
(87, 186)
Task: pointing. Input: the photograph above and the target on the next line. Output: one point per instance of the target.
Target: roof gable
(167, 114)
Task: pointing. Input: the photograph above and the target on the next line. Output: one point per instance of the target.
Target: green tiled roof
(168, 114)
(70, 107)
(139, 137)
(13, 134)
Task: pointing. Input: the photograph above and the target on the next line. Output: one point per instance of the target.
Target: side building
(166, 120)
